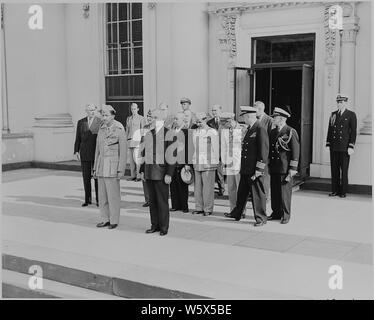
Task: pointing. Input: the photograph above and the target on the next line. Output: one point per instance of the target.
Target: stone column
(4, 89)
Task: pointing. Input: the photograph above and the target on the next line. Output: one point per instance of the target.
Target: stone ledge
(20, 135)
(324, 184)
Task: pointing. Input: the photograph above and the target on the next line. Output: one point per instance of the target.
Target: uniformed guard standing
(109, 167)
(255, 152)
(341, 139)
(283, 162)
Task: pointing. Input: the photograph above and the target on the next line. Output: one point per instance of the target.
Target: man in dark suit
(267, 122)
(283, 162)
(157, 172)
(255, 152)
(214, 123)
(84, 149)
(341, 139)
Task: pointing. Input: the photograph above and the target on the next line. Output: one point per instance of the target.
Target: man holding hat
(255, 152)
(283, 162)
(231, 149)
(341, 139)
(109, 167)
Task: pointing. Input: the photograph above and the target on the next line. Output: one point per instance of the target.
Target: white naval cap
(247, 109)
(342, 97)
(284, 112)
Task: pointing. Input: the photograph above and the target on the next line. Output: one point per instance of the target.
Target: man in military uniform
(283, 163)
(109, 166)
(341, 139)
(255, 152)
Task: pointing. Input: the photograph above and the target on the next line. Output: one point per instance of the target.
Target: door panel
(306, 120)
(243, 88)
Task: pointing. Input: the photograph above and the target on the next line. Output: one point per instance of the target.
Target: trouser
(281, 192)
(267, 182)
(257, 189)
(87, 175)
(109, 199)
(146, 193)
(219, 178)
(158, 204)
(134, 167)
(178, 191)
(204, 190)
(233, 181)
(339, 171)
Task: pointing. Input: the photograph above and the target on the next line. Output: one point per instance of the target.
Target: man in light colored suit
(109, 167)
(84, 149)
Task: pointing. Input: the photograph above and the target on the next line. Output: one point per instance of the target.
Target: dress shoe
(163, 233)
(259, 223)
(333, 194)
(343, 195)
(103, 224)
(172, 209)
(151, 230)
(229, 215)
(97, 204)
(185, 210)
(112, 226)
(197, 212)
(131, 179)
(145, 205)
(84, 204)
(284, 221)
(243, 216)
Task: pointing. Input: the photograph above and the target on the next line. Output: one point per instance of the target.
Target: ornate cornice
(259, 6)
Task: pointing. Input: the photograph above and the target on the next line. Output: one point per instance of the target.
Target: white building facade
(216, 53)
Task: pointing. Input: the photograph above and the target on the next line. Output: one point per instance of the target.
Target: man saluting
(283, 163)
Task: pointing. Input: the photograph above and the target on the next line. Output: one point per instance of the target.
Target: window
(124, 57)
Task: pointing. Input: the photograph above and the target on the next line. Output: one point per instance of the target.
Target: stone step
(16, 285)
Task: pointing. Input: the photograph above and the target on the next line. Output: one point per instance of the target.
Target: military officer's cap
(341, 97)
(283, 112)
(185, 100)
(108, 108)
(201, 116)
(247, 109)
(226, 116)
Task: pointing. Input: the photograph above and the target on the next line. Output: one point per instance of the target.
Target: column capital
(350, 29)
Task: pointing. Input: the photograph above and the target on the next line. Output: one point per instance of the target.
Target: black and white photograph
(187, 151)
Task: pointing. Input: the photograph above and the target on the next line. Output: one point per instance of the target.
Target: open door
(306, 132)
(243, 89)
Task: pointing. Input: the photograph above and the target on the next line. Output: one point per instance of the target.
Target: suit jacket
(342, 131)
(255, 150)
(267, 123)
(111, 150)
(133, 124)
(85, 138)
(284, 150)
(154, 161)
(212, 123)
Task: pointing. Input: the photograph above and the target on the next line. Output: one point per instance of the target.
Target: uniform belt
(112, 144)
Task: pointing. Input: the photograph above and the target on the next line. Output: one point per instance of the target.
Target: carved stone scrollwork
(229, 26)
(330, 37)
(151, 5)
(86, 10)
(2, 16)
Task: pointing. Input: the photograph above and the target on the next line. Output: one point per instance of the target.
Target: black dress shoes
(151, 230)
(197, 212)
(284, 221)
(259, 223)
(333, 194)
(185, 210)
(97, 204)
(172, 209)
(84, 204)
(273, 217)
(163, 233)
(229, 215)
(112, 226)
(145, 205)
(103, 224)
(343, 195)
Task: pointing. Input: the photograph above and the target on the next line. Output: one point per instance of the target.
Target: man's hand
(167, 179)
(120, 174)
(141, 174)
(78, 157)
(350, 151)
(94, 174)
(291, 173)
(256, 175)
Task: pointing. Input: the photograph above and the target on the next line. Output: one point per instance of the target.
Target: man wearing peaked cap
(341, 139)
(255, 151)
(283, 164)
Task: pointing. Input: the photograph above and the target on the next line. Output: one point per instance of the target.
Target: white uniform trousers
(109, 199)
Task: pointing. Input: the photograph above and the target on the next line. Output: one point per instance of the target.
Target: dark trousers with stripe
(281, 193)
(158, 192)
(257, 189)
(339, 171)
(178, 191)
(87, 175)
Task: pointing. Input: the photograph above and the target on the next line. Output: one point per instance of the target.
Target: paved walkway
(41, 207)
